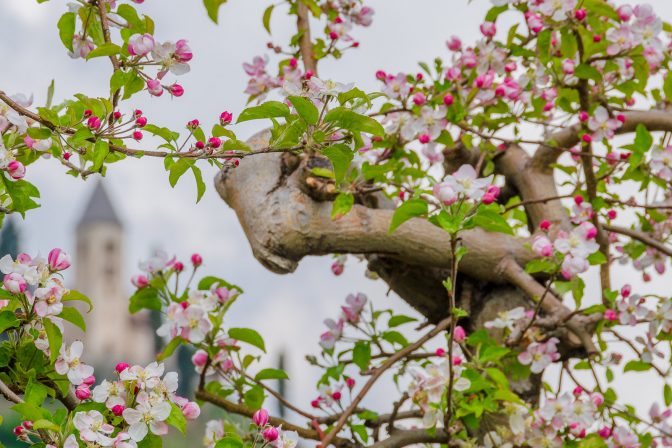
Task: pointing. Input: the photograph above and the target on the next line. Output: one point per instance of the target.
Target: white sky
(287, 309)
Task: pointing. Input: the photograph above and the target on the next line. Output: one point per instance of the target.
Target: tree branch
(641, 237)
(305, 43)
(546, 155)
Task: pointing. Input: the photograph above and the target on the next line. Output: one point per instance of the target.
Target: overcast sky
(287, 309)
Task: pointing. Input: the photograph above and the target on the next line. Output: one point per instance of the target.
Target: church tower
(112, 335)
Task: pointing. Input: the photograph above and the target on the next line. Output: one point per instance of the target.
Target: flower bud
(116, 115)
(604, 432)
(83, 392)
(154, 87)
(199, 144)
(89, 380)
(121, 367)
(200, 358)
(137, 136)
(176, 90)
(578, 390)
(191, 410)
(545, 225)
(459, 334)
(137, 113)
(337, 268)
(16, 170)
(139, 281)
(58, 260)
(271, 434)
(489, 29)
(626, 290)
(178, 266)
(381, 75)
(315, 403)
(448, 99)
(336, 395)
(424, 138)
(260, 418)
(610, 315)
(27, 424)
(580, 14)
(578, 199)
(88, 113)
(225, 118)
(93, 122)
(350, 382)
(215, 142)
(118, 410)
(196, 260)
(18, 430)
(141, 122)
(419, 99)
(440, 352)
(15, 283)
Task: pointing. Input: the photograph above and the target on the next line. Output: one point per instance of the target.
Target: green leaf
(637, 366)
(177, 169)
(394, 337)
(21, 192)
(107, 49)
(267, 18)
(169, 349)
(212, 7)
(248, 335)
(73, 316)
(544, 46)
(100, 150)
(585, 71)
(400, 319)
(340, 156)
(498, 377)
(200, 185)
(597, 258)
(45, 424)
(39, 133)
(494, 12)
(361, 355)
(269, 109)
(36, 392)
(66, 29)
(407, 210)
(643, 139)
(229, 442)
(176, 418)
(352, 121)
(342, 205)
(271, 374)
(8, 320)
(601, 8)
(667, 393)
(151, 441)
(492, 221)
(305, 108)
(254, 397)
(55, 338)
(76, 295)
(145, 298)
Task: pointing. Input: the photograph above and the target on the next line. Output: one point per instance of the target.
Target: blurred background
(147, 214)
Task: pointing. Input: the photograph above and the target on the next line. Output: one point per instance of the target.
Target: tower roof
(99, 209)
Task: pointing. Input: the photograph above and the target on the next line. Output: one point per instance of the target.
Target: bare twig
(641, 237)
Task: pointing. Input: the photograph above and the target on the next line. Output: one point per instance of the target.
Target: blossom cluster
(263, 433)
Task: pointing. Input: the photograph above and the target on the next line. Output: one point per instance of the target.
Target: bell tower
(112, 335)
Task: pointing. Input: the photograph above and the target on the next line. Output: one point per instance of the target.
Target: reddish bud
(215, 142)
(583, 115)
(578, 199)
(355, 44)
(621, 118)
(93, 122)
(137, 113)
(350, 382)
(118, 410)
(137, 135)
(178, 266)
(88, 113)
(315, 403)
(336, 395)
(260, 418)
(27, 424)
(83, 392)
(626, 290)
(586, 138)
(612, 214)
(89, 380)
(18, 430)
(200, 145)
(121, 367)
(309, 74)
(580, 14)
(448, 100)
(381, 75)
(193, 124)
(333, 35)
(67, 155)
(271, 434)
(225, 118)
(176, 90)
(597, 38)
(116, 115)
(424, 138)
(141, 122)
(440, 352)
(545, 225)
(459, 334)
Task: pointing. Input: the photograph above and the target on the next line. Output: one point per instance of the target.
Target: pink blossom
(93, 122)
(445, 193)
(454, 43)
(489, 29)
(154, 87)
(260, 418)
(542, 246)
(271, 434)
(139, 281)
(182, 51)
(140, 44)
(58, 260)
(568, 66)
(602, 125)
(540, 355)
(15, 283)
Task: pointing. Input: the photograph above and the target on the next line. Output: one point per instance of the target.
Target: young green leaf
(407, 210)
(248, 335)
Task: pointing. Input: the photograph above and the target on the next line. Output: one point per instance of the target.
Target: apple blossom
(540, 355)
(146, 416)
(16, 170)
(14, 283)
(68, 363)
(58, 260)
(140, 44)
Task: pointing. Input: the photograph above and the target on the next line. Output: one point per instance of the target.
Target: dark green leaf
(108, 49)
(269, 109)
(361, 355)
(340, 156)
(271, 374)
(352, 121)
(8, 320)
(248, 335)
(73, 316)
(145, 298)
(66, 29)
(176, 418)
(407, 210)
(305, 108)
(55, 338)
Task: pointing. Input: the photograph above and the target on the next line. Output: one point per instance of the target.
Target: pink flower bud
(89, 380)
(154, 87)
(586, 138)
(337, 268)
(315, 403)
(137, 113)
(419, 99)
(16, 170)
(457, 360)
(597, 38)
(118, 410)
(140, 44)
(196, 260)
(454, 44)
(271, 434)
(199, 144)
(578, 390)
(494, 190)
(200, 358)
(597, 398)
(141, 122)
(137, 136)
(178, 266)
(193, 124)
(176, 90)
(58, 260)
(626, 290)
(459, 334)
(67, 155)
(604, 432)
(489, 29)
(121, 367)
(182, 51)
(215, 142)
(139, 281)
(309, 74)
(336, 395)
(116, 115)
(83, 392)
(578, 199)
(568, 66)
(260, 418)
(488, 199)
(440, 352)
(625, 12)
(27, 424)
(621, 118)
(18, 430)
(448, 100)
(424, 138)
(222, 294)
(191, 411)
(225, 118)
(93, 122)
(545, 225)
(580, 14)
(333, 35)
(88, 113)
(14, 283)
(381, 75)
(610, 315)
(350, 382)
(418, 77)
(611, 214)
